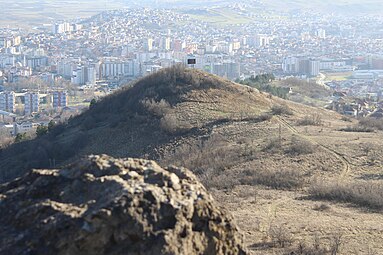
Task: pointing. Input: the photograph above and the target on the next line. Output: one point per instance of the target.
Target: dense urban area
(59, 69)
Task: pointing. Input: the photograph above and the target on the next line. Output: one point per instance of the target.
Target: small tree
(51, 125)
(92, 103)
(41, 130)
(20, 137)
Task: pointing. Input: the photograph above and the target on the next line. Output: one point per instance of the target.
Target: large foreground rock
(103, 205)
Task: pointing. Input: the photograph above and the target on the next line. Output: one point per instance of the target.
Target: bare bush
(362, 193)
(280, 179)
(312, 120)
(169, 123)
(159, 108)
(209, 159)
(357, 129)
(215, 178)
(280, 236)
(273, 145)
(346, 119)
(321, 207)
(260, 118)
(336, 242)
(371, 123)
(299, 146)
(281, 110)
(305, 248)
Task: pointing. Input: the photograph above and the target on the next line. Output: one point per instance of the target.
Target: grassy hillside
(292, 179)
(137, 121)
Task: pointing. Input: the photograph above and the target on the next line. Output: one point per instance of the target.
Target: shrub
(215, 178)
(312, 120)
(346, 119)
(41, 130)
(51, 125)
(362, 193)
(21, 137)
(158, 109)
(277, 179)
(321, 207)
(92, 103)
(371, 123)
(280, 236)
(359, 129)
(273, 145)
(169, 123)
(281, 110)
(299, 146)
(210, 158)
(260, 118)
(306, 248)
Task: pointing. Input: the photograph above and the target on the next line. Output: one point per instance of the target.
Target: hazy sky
(35, 12)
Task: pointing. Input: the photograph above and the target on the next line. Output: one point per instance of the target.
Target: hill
(137, 121)
(293, 176)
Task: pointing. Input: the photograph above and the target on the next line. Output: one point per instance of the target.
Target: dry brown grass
(361, 193)
(310, 120)
(299, 146)
(280, 179)
(281, 110)
(371, 123)
(357, 129)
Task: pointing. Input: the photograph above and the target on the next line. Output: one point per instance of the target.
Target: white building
(83, 75)
(60, 99)
(148, 44)
(60, 28)
(7, 101)
(290, 65)
(32, 102)
(262, 40)
(228, 69)
(321, 33)
(314, 67)
(111, 68)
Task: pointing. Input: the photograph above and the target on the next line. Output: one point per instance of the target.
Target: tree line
(263, 82)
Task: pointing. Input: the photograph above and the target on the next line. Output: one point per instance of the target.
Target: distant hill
(337, 6)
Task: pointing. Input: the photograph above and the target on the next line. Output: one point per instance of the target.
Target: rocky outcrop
(102, 205)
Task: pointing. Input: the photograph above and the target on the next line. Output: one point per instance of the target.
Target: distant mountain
(336, 6)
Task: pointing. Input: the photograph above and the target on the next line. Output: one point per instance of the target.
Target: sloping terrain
(291, 177)
(137, 121)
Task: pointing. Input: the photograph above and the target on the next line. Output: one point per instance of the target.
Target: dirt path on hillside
(339, 156)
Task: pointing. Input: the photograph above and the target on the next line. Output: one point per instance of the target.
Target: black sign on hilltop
(192, 61)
